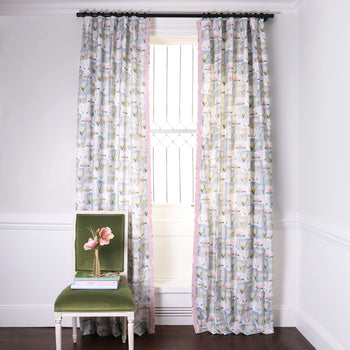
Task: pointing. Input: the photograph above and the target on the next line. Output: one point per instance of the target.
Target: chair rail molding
(36, 222)
(282, 220)
(288, 220)
(335, 234)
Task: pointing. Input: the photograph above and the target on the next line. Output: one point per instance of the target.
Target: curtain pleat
(113, 168)
(232, 266)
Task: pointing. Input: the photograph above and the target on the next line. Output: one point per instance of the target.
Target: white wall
(324, 287)
(283, 66)
(324, 110)
(39, 58)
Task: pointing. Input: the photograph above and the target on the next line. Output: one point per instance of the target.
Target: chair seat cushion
(95, 300)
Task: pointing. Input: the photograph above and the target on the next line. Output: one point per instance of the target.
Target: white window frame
(173, 226)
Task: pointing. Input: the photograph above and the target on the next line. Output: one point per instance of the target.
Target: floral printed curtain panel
(113, 145)
(232, 269)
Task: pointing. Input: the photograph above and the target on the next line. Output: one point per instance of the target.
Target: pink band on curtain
(149, 192)
(198, 167)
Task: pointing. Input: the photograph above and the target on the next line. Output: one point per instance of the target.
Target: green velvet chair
(113, 257)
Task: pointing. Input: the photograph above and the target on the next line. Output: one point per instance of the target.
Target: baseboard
(334, 241)
(30, 315)
(284, 316)
(173, 306)
(174, 316)
(315, 333)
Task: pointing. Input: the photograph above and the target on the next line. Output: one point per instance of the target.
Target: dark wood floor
(166, 338)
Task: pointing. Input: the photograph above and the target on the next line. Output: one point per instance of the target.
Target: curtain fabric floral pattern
(232, 269)
(113, 161)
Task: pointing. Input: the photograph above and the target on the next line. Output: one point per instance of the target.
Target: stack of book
(85, 280)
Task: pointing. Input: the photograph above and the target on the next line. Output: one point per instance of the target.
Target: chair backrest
(114, 256)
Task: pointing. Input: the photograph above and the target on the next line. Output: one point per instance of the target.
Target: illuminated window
(173, 114)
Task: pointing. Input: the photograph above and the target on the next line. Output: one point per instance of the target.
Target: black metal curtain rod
(265, 16)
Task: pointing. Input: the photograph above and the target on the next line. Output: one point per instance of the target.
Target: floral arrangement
(101, 236)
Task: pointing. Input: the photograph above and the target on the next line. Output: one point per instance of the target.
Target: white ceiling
(23, 7)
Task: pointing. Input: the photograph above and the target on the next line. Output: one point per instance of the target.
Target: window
(173, 90)
(173, 114)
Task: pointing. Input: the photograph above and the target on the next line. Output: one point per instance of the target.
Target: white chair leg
(131, 332)
(58, 330)
(124, 330)
(75, 336)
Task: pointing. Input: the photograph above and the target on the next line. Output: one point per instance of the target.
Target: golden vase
(96, 268)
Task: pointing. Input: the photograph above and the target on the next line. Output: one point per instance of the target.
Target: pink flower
(105, 235)
(91, 244)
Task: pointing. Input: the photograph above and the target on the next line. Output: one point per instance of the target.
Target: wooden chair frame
(126, 315)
